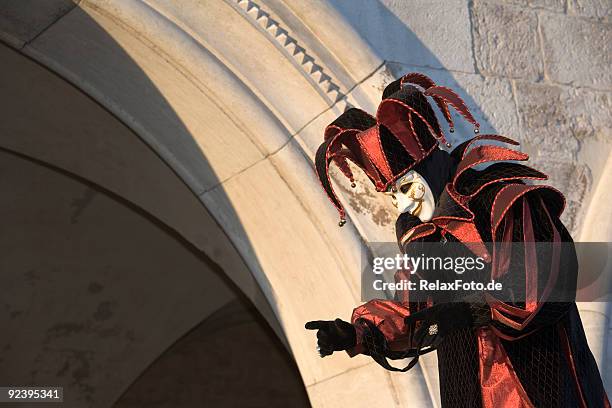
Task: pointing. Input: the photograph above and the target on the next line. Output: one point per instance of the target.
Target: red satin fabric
(488, 153)
(388, 316)
(449, 96)
(370, 145)
(500, 386)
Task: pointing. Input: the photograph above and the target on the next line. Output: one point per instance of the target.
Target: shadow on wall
(393, 41)
(95, 288)
(148, 102)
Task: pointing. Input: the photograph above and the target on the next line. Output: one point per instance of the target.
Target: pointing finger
(315, 324)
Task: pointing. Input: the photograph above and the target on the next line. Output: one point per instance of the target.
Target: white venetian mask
(411, 193)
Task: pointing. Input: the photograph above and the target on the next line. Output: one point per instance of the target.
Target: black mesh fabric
(397, 157)
(458, 370)
(539, 361)
(392, 88)
(481, 206)
(586, 367)
(537, 358)
(540, 365)
(437, 169)
(468, 183)
(424, 134)
(413, 97)
(405, 222)
(354, 119)
(449, 207)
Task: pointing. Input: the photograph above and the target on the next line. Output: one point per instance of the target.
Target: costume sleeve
(381, 331)
(534, 259)
(386, 318)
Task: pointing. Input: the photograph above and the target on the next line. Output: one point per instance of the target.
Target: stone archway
(241, 149)
(112, 258)
(95, 289)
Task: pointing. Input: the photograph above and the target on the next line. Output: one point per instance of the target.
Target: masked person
(492, 351)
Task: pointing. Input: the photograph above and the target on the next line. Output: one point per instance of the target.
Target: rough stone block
(573, 180)
(492, 104)
(577, 52)
(546, 121)
(598, 9)
(516, 2)
(569, 218)
(590, 112)
(556, 5)
(556, 119)
(506, 41)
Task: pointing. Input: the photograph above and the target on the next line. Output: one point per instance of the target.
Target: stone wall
(557, 58)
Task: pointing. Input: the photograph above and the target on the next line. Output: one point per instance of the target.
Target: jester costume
(492, 352)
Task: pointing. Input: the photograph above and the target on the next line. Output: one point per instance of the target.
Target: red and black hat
(404, 132)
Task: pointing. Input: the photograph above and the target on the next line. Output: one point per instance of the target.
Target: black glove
(333, 335)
